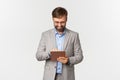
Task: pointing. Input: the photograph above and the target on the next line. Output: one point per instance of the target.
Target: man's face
(60, 23)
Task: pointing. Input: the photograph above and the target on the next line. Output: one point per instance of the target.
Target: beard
(60, 29)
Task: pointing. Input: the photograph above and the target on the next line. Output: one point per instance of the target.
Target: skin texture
(60, 24)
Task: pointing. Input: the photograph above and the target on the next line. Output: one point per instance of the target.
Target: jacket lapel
(53, 40)
(67, 36)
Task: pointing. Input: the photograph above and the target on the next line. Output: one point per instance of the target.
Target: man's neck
(60, 32)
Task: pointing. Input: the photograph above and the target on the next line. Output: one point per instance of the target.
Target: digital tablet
(56, 54)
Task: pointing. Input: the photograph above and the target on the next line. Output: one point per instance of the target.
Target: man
(59, 39)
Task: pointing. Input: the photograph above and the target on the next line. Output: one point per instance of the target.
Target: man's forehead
(60, 19)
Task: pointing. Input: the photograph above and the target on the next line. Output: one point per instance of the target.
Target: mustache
(60, 30)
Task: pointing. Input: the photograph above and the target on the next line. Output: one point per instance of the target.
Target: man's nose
(59, 24)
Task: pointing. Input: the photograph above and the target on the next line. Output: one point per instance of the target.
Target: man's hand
(55, 49)
(63, 60)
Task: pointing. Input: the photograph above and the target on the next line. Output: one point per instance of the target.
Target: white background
(23, 21)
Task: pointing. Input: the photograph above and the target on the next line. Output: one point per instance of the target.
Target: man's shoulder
(72, 32)
(48, 31)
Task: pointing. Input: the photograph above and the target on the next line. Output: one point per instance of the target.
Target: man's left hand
(63, 60)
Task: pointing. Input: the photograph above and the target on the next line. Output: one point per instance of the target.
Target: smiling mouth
(60, 29)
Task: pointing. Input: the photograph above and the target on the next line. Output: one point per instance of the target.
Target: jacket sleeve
(78, 56)
(41, 53)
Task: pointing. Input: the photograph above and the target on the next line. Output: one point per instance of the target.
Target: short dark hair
(59, 12)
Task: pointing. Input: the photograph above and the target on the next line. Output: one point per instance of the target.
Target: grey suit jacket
(72, 48)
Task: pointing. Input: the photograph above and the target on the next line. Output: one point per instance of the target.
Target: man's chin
(60, 30)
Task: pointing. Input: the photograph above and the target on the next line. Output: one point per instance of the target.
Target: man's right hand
(55, 49)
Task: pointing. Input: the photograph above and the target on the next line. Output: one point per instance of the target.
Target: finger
(57, 59)
(54, 49)
(65, 55)
(61, 57)
(60, 60)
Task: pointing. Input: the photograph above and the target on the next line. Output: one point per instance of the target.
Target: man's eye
(62, 22)
(57, 22)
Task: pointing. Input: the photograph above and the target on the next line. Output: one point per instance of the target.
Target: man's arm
(78, 56)
(41, 53)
